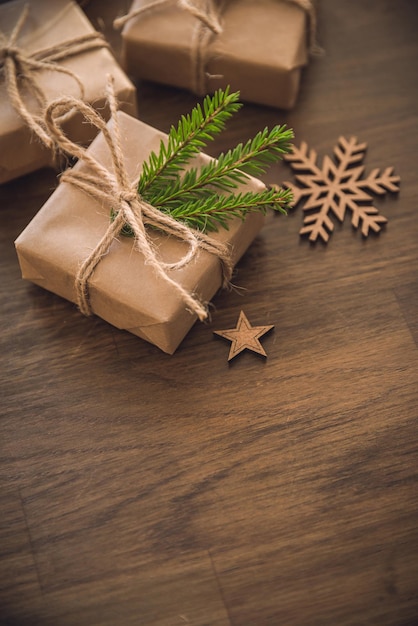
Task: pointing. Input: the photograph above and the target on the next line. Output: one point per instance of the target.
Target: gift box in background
(260, 51)
(50, 24)
(123, 289)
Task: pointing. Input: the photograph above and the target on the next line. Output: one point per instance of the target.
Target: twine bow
(116, 190)
(18, 67)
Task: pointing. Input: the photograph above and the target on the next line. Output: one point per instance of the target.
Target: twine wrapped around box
(258, 48)
(48, 49)
(123, 289)
(209, 14)
(120, 195)
(20, 67)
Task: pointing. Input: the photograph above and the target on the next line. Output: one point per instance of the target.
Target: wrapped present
(258, 48)
(48, 49)
(153, 286)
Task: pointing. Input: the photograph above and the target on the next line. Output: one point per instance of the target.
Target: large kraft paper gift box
(123, 289)
(260, 51)
(48, 24)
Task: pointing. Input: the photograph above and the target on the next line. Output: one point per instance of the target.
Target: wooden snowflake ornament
(336, 187)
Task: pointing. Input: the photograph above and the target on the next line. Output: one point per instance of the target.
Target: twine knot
(114, 189)
(127, 195)
(8, 52)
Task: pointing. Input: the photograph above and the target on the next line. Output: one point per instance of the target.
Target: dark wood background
(139, 488)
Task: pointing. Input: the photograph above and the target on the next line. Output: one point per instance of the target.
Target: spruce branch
(215, 211)
(192, 133)
(231, 168)
(206, 198)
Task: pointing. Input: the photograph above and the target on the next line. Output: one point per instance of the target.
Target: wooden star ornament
(244, 337)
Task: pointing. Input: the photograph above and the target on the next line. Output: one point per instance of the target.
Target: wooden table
(139, 488)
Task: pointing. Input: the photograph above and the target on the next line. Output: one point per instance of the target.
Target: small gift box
(258, 48)
(124, 288)
(48, 49)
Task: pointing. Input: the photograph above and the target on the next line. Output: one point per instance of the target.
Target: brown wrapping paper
(123, 290)
(260, 52)
(51, 23)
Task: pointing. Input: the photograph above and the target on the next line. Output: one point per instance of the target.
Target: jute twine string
(116, 191)
(19, 67)
(202, 37)
(209, 14)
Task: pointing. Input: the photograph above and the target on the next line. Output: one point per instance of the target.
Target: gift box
(260, 51)
(49, 24)
(123, 289)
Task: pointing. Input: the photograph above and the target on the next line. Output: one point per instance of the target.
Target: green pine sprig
(206, 198)
(207, 215)
(191, 135)
(230, 169)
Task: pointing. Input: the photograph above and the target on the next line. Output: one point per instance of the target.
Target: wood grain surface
(138, 488)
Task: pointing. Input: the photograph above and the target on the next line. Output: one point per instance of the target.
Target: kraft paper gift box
(48, 24)
(123, 289)
(260, 51)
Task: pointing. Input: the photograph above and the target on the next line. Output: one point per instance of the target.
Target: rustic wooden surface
(139, 488)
